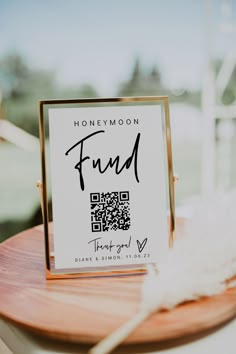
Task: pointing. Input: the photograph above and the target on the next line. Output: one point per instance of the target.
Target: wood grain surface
(86, 310)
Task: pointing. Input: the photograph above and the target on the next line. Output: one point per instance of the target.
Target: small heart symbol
(141, 245)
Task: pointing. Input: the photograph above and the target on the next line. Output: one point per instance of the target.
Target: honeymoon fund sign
(108, 185)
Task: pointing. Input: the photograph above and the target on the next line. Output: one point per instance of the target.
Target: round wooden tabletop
(86, 310)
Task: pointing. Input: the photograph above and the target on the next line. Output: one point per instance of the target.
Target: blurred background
(77, 48)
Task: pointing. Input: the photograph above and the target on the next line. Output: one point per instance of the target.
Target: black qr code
(110, 211)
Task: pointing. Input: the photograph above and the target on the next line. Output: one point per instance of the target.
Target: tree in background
(22, 87)
(149, 82)
(14, 74)
(142, 82)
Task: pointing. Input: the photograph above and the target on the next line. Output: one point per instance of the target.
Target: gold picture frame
(51, 273)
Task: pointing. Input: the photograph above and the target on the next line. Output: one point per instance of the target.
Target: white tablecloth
(221, 341)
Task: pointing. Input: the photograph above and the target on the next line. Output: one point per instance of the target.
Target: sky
(97, 41)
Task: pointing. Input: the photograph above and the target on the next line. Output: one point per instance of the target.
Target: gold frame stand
(42, 185)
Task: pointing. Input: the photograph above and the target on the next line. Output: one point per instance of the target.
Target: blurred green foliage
(22, 87)
(149, 82)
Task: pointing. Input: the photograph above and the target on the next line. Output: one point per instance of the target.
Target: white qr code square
(110, 211)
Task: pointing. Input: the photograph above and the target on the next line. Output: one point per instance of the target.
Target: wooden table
(83, 311)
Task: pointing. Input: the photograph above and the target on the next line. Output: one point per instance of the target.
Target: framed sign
(107, 166)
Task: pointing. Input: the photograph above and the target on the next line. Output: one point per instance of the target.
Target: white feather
(200, 262)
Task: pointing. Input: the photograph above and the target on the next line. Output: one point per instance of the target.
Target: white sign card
(107, 167)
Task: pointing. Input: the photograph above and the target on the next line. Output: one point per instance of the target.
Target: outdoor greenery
(149, 82)
(22, 87)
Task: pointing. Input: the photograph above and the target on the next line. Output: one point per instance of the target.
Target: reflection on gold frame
(49, 255)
